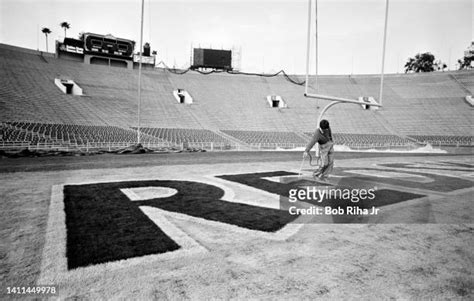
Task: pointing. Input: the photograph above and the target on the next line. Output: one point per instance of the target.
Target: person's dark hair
(324, 124)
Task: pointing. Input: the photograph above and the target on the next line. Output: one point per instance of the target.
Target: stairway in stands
(384, 123)
(242, 145)
(466, 90)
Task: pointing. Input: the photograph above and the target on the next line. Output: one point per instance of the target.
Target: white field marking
(436, 172)
(263, 199)
(281, 179)
(282, 234)
(260, 198)
(188, 244)
(299, 178)
(336, 176)
(287, 231)
(451, 164)
(230, 196)
(390, 174)
(148, 193)
(277, 179)
(431, 167)
(54, 261)
(439, 164)
(424, 165)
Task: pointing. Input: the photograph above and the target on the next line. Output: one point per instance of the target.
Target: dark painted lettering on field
(383, 197)
(104, 225)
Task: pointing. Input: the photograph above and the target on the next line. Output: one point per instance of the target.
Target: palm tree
(46, 31)
(66, 26)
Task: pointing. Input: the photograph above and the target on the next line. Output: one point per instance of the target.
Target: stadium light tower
(140, 73)
(335, 100)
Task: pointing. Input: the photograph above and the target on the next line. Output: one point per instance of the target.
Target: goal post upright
(140, 74)
(383, 51)
(308, 44)
(334, 99)
(316, 45)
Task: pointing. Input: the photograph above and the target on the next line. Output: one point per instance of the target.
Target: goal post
(334, 99)
(340, 99)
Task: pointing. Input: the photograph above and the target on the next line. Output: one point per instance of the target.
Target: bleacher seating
(180, 136)
(82, 134)
(267, 138)
(12, 135)
(414, 104)
(372, 140)
(444, 140)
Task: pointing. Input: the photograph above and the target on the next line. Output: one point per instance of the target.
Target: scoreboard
(108, 45)
(97, 44)
(212, 58)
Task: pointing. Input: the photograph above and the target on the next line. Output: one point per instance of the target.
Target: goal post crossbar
(335, 98)
(341, 99)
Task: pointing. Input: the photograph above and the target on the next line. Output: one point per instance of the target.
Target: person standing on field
(325, 150)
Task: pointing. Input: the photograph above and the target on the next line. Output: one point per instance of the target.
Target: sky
(267, 35)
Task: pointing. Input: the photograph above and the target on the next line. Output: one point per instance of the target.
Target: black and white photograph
(236, 150)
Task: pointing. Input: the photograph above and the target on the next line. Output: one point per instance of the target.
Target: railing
(355, 146)
(446, 143)
(381, 146)
(210, 146)
(90, 146)
(110, 146)
(15, 145)
(266, 146)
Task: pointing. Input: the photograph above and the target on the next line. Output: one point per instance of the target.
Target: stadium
(199, 191)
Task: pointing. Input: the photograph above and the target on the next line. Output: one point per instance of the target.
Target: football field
(238, 225)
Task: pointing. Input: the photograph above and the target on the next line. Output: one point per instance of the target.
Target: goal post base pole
(334, 101)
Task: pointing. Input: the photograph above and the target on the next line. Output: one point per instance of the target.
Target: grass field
(416, 249)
